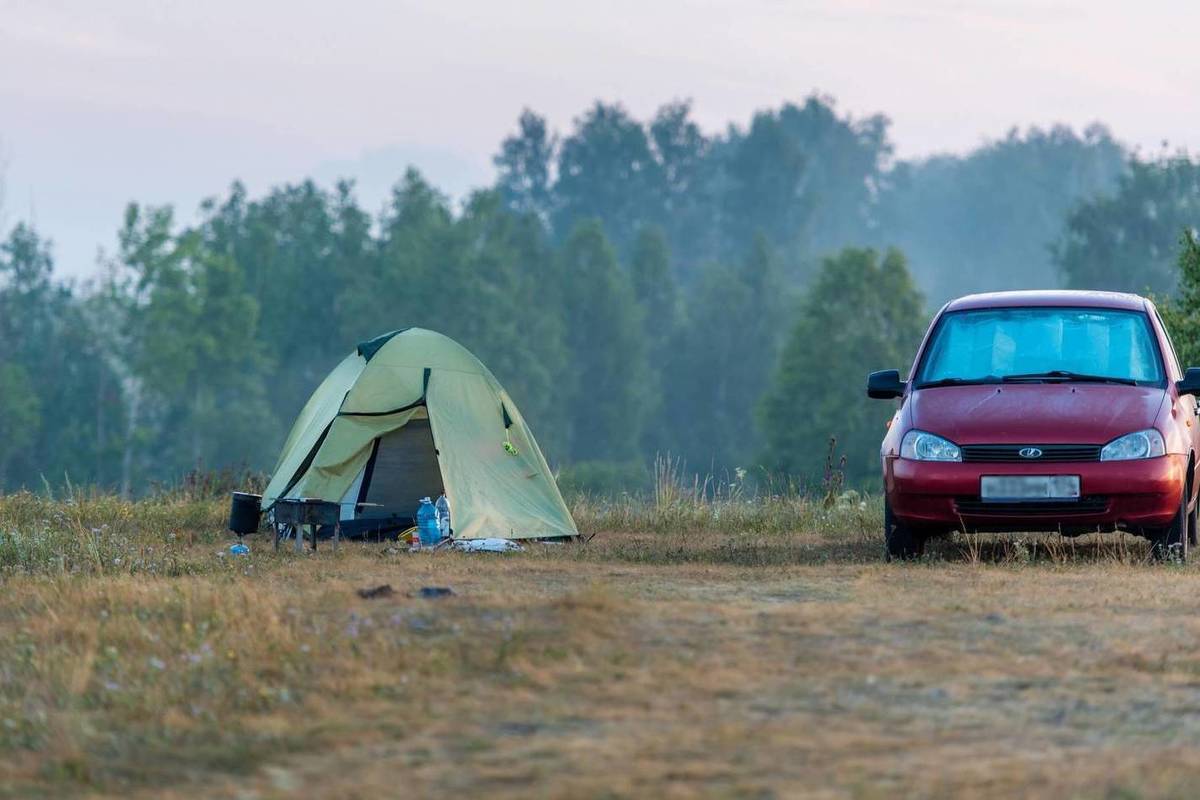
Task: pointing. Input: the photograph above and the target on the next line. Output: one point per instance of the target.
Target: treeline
(639, 287)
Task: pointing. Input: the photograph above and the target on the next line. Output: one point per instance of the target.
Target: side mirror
(1191, 382)
(886, 384)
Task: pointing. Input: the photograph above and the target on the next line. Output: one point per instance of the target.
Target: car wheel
(900, 541)
(1172, 541)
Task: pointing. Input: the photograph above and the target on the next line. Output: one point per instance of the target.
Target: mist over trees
(1127, 238)
(640, 286)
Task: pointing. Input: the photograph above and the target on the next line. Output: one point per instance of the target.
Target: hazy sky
(159, 101)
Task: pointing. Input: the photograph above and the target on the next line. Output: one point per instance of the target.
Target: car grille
(1011, 453)
(974, 507)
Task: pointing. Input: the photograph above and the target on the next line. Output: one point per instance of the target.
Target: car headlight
(1143, 444)
(922, 446)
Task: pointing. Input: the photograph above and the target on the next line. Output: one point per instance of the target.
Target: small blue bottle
(427, 523)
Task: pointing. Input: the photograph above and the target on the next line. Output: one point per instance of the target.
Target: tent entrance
(403, 468)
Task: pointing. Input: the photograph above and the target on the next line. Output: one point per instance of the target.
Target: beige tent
(413, 414)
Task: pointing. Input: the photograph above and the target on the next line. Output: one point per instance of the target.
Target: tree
(1181, 314)
(862, 313)
(984, 221)
(514, 324)
(524, 165)
(689, 201)
(26, 319)
(56, 394)
(194, 354)
(607, 171)
(296, 248)
(20, 415)
(1126, 241)
(606, 382)
(766, 168)
(844, 166)
(658, 298)
(726, 354)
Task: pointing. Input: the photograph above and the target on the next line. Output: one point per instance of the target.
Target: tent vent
(369, 348)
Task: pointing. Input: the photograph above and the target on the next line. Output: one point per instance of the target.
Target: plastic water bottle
(443, 516)
(427, 523)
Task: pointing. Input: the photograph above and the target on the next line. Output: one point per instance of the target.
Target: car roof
(1050, 297)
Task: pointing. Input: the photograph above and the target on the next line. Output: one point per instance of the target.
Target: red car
(1042, 411)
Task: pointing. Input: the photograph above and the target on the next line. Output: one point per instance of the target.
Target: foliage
(607, 397)
(1182, 314)
(629, 280)
(984, 221)
(1126, 241)
(862, 313)
(658, 296)
(725, 356)
(524, 166)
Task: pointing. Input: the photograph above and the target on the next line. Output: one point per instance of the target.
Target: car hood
(1035, 413)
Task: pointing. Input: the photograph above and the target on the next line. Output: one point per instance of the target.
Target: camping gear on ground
(443, 516)
(490, 545)
(293, 515)
(413, 414)
(434, 592)
(427, 523)
(239, 549)
(244, 510)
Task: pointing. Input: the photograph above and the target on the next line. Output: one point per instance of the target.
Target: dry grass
(692, 648)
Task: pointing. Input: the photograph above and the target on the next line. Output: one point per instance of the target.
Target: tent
(414, 414)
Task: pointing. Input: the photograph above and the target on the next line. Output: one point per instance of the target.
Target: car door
(1186, 405)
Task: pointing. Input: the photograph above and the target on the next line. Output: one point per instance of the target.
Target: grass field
(723, 649)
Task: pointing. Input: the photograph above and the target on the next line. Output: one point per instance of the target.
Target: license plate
(1029, 487)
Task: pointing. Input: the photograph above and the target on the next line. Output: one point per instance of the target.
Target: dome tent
(414, 414)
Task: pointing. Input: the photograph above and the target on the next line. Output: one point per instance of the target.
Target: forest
(642, 288)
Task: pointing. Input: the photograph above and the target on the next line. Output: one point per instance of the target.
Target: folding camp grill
(299, 513)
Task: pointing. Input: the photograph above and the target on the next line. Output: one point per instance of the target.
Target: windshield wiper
(957, 382)
(1066, 376)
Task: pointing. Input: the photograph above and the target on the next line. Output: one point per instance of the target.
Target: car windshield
(1004, 344)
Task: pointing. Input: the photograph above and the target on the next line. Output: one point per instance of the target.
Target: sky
(158, 101)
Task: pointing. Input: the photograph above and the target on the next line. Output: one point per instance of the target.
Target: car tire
(1172, 541)
(900, 541)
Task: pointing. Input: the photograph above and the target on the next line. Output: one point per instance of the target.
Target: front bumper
(1129, 495)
